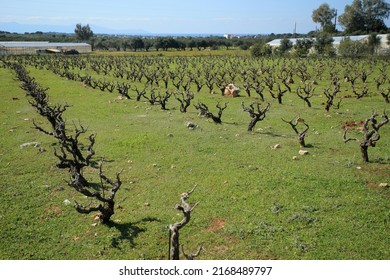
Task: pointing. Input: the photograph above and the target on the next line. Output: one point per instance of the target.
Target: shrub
(349, 48)
(258, 50)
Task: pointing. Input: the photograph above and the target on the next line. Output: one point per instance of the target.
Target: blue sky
(171, 16)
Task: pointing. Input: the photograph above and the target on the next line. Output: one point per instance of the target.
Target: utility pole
(335, 22)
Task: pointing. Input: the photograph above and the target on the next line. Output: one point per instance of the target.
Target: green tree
(324, 44)
(349, 48)
(324, 15)
(173, 43)
(353, 17)
(191, 44)
(181, 45)
(365, 16)
(101, 44)
(161, 43)
(302, 46)
(148, 44)
(226, 44)
(245, 46)
(256, 50)
(376, 11)
(125, 44)
(114, 43)
(83, 32)
(137, 43)
(202, 44)
(285, 46)
(260, 49)
(374, 42)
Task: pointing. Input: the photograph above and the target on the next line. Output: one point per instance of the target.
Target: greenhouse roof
(14, 44)
(336, 40)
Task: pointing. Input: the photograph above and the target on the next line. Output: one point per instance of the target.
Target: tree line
(361, 17)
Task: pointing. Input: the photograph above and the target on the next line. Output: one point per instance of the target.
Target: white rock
(303, 152)
(35, 144)
(66, 202)
(276, 146)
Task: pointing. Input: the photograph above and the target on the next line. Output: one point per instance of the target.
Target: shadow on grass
(381, 160)
(272, 134)
(309, 146)
(231, 123)
(129, 231)
(96, 163)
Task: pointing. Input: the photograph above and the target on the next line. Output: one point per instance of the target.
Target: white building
(384, 46)
(12, 47)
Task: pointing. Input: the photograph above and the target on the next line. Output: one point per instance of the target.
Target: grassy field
(255, 202)
(174, 53)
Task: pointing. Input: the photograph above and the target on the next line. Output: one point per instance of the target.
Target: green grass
(174, 53)
(255, 202)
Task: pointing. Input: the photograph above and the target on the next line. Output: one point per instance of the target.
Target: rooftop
(14, 44)
(336, 40)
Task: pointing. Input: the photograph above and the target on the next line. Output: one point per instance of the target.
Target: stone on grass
(276, 146)
(191, 125)
(303, 152)
(35, 144)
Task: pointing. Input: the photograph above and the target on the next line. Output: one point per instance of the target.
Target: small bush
(258, 50)
(349, 48)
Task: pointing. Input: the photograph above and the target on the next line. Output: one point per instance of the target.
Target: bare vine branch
(371, 136)
(186, 209)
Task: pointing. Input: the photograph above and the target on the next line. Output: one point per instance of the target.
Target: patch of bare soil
(216, 224)
(353, 125)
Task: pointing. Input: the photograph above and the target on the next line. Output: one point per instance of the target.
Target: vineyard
(284, 158)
